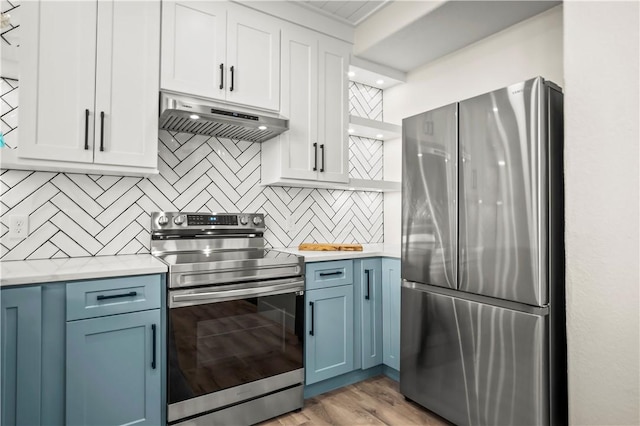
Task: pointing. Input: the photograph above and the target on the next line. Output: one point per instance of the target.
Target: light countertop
(21, 272)
(77, 268)
(368, 250)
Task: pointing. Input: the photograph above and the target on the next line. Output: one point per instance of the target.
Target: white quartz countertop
(17, 272)
(368, 250)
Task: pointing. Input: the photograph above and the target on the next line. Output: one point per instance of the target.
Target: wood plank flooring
(375, 401)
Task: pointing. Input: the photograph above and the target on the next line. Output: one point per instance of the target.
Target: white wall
(392, 200)
(528, 49)
(602, 195)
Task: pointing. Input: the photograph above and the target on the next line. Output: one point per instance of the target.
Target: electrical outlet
(291, 224)
(18, 227)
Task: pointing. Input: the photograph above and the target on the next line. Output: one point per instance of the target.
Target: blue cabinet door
(369, 294)
(391, 312)
(21, 339)
(52, 383)
(329, 333)
(113, 370)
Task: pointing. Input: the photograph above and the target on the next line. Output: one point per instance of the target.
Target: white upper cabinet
(127, 80)
(57, 80)
(194, 43)
(333, 112)
(253, 56)
(89, 86)
(298, 145)
(314, 98)
(221, 51)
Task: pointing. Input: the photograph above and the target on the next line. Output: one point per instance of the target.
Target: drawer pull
(117, 296)
(329, 274)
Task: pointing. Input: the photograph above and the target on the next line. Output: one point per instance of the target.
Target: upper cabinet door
(299, 103)
(429, 219)
(57, 80)
(503, 209)
(126, 129)
(194, 48)
(253, 59)
(221, 51)
(333, 114)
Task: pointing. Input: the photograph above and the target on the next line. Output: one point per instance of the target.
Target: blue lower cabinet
(369, 306)
(32, 384)
(329, 333)
(114, 370)
(21, 339)
(391, 312)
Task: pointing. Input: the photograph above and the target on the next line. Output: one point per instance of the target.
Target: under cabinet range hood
(191, 115)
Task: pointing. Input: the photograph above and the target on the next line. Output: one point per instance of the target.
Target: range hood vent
(190, 115)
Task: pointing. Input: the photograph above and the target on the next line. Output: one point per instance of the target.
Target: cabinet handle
(328, 274)
(153, 348)
(101, 130)
(231, 88)
(221, 76)
(312, 321)
(86, 129)
(117, 296)
(315, 156)
(322, 148)
(368, 273)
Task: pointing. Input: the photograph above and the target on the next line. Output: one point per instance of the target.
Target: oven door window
(220, 345)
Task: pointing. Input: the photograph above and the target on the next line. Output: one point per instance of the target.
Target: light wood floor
(375, 401)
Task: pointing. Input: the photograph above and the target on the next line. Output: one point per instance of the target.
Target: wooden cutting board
(329, 247)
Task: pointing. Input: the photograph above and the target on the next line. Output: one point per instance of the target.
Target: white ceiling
(432, 32)
(447, 28)
(350, 12)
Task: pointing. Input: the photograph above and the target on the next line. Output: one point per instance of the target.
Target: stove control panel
(211, 219)
(202, 220)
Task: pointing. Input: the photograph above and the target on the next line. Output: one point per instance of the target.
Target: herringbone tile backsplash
(74, 215)
(365, 101)
(9, 110)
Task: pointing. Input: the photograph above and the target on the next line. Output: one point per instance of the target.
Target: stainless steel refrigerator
(483, 338)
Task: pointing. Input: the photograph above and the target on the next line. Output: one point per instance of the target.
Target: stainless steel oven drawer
(254, 411)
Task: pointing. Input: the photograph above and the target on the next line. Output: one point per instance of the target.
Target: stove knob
(163, 220)
(257, 220)
(244, 220)
(179, 220)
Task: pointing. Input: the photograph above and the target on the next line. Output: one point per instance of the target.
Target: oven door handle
(180, 298)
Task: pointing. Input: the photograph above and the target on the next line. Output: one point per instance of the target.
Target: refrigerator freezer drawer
(473, 363)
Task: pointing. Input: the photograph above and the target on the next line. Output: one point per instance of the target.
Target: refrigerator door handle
(492, 301)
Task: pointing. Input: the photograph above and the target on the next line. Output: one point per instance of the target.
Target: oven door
(232, 343)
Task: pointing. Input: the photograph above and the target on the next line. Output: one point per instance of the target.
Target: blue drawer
(97, 298)
(329, 274)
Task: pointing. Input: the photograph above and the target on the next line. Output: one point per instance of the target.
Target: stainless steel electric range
(235, 319)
